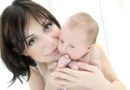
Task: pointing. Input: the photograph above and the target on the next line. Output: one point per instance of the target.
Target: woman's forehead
(33, 26)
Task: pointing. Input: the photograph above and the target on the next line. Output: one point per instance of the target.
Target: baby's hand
(73, 65)
(63, 61)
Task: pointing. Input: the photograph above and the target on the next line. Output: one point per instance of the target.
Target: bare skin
(114, 83)
(43, 49)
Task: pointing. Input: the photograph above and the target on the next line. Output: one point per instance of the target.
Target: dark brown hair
(13, 23)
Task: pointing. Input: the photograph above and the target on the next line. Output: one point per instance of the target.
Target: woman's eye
(72, 46)
(31, 41)
(47, 27)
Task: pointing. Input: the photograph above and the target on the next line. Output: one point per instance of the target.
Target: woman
(29, 36)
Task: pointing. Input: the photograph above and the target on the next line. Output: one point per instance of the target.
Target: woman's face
(42, 41)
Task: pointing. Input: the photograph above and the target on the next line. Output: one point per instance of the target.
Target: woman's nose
(48, 42)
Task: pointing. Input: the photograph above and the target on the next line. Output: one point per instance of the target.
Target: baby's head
(78, 35)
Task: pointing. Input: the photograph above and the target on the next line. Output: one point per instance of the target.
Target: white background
(113, 17)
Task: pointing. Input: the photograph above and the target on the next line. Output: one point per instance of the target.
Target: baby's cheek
(75, 56)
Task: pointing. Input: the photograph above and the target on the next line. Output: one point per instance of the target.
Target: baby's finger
(63, 62)
(73, 65)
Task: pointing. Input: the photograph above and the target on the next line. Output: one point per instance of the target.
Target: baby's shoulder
(94, 50)
(94, 53)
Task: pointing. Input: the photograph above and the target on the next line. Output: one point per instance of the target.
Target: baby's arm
(73, 65)
(94, 59)
(63, 61)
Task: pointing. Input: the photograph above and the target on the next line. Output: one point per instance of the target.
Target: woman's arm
(108, 71)
(36, 81)
(90, 76)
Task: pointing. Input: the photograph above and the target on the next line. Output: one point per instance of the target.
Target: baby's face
(73, 43)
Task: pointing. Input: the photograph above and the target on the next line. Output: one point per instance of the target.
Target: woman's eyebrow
(45, 22)
(29, 36)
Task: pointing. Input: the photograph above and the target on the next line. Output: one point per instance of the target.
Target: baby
(76, 41)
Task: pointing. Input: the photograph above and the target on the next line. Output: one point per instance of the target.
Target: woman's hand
(88, 77)
(49, 78)
(51, 82)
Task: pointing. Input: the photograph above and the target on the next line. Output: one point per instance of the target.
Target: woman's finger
(62, 80)
(72, 72)
(64, 84)
(52, 66)
(87, 67)
(63, 76)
